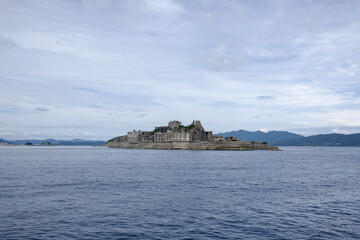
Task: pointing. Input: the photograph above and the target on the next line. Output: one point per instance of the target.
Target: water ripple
(100, 193)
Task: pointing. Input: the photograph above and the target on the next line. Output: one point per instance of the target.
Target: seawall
(195, 145)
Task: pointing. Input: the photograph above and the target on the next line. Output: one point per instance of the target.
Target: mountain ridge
(57, 142)
(273, 138)
(270, 137)
(332, 139)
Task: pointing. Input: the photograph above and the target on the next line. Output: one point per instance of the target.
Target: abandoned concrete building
(177, 136)
(173, 132)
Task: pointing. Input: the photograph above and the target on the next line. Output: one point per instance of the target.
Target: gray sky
(95, 69)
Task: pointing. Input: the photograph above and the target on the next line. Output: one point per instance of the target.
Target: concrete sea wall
(196, 145)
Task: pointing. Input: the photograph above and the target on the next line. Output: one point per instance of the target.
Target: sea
(54, 192)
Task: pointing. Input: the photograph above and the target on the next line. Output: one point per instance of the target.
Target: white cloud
(167, 6)
(346, 117)
(142, 115)
(88, 134)
(6, 43)
(220, 59)
(95, 4)
(263, 130)
(349, 69)
(264, 53)
(7, 134)
(345, 131)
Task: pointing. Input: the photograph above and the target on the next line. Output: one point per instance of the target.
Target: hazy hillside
(271, 137)
(73, 142)
(323, 140)
(81, 143)
(34, 141)
(274, 138)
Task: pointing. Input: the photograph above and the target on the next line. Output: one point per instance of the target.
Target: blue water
(101, 193)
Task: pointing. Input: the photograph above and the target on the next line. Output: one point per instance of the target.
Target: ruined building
(177, 136)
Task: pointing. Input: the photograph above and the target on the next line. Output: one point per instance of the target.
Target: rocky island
(177, 136)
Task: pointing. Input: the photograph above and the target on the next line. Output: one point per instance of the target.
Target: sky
(95, 69)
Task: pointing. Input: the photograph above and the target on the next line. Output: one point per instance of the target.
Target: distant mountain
(333, 139)
(73, 142)
(82, 143)
(274, 138)
(270, 137)
(77, 140)
(34, 141)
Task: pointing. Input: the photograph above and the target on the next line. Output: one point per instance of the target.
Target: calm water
(101, 193)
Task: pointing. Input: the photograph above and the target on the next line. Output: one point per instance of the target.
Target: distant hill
(34, 141)
(333, 139)
(3, 142)
(81, 143)
(274, 138)
(55, 142)
(270, 137)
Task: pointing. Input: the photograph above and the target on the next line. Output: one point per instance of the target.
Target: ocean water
(101, 193)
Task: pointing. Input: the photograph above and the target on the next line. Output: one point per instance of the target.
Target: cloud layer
(70, 68)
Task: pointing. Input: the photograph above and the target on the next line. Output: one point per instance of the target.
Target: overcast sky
(95, 69)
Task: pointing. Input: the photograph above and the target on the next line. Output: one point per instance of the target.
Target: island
(177, 136)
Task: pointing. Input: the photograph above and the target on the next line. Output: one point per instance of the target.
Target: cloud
(349, 69)
(265, 97)
(33, 134)
(263, 130)
(339, 117)
(88, 134)
(41, 109)
(162, 6)
(12, 110)
(142, 115)
(82, 126)
(96, 4)
(139, 110)
(6, 43)
(345, 131)
(95, 106)
(219, 59)
(7, 134)
(264, 53)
